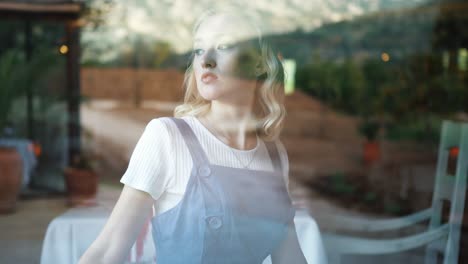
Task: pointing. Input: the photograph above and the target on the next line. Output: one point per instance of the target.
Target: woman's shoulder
(158, 127)
(160, 122)
(165, 124)
(168, 118)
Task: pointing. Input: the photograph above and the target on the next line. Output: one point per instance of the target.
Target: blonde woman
(215, 174)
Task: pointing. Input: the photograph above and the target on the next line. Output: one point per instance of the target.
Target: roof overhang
(40, 11)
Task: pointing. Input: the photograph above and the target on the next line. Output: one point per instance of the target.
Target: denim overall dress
(227, 215)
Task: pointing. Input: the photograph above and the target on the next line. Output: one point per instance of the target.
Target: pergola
(67, 13)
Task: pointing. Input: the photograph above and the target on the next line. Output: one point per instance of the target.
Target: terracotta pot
(10, 179)
(371, 152)
(81, 187)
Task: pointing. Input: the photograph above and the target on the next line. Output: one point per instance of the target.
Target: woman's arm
(121, 229)
(289, 250)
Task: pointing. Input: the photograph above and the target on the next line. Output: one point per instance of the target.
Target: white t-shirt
(161, 162)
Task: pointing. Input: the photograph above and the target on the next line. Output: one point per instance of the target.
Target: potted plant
(81, 181)
(10, 160)
(371, 148)
(10, 178)
(16, 75)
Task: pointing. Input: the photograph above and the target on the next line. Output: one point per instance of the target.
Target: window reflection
(369, 86)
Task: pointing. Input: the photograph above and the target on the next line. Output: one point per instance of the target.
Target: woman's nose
(209, 61)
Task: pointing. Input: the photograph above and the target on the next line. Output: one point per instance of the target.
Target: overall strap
(209, 191)
(198, 154)
(274, 155)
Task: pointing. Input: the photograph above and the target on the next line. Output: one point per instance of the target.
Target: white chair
(439, 237)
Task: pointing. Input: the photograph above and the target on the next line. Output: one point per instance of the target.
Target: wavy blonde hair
(268, 109)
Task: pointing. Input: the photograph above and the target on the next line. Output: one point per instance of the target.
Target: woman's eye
(197, 51)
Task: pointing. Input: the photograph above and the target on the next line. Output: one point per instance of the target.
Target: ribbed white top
(161, 162)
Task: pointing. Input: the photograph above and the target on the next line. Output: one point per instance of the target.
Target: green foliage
(413, 86)
(352, 87)
(82, 161)
(354, 191)
(95, 11)
(162, 51)
(409, 93)
(369, 129)
(9, 80)
(340, 85)
(420, 129)
(339, 184)
(87, 159)
(393, 208)
(346, 86)
(370, 197)
(17, 74)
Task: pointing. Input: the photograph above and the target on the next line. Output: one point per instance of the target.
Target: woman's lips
(208, 77)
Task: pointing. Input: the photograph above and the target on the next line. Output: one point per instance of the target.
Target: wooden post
(73, 89)
(29, 90)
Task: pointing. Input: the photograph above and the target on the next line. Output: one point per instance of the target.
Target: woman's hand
(121, 229)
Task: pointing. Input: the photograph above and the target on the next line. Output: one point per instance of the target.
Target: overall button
(215, 222)
(204, 171)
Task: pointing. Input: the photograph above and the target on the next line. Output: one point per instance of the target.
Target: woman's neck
(235, 126)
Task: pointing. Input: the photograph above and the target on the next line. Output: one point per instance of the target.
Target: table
(23, 146)
(70, 234)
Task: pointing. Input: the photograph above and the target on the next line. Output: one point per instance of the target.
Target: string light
(385, 57)
(63, 49)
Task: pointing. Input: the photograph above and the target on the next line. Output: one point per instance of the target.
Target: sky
(171, 21)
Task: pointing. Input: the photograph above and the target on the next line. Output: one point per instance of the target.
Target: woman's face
(224, 58)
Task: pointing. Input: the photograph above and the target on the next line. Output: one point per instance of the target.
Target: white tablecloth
(70, 234)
